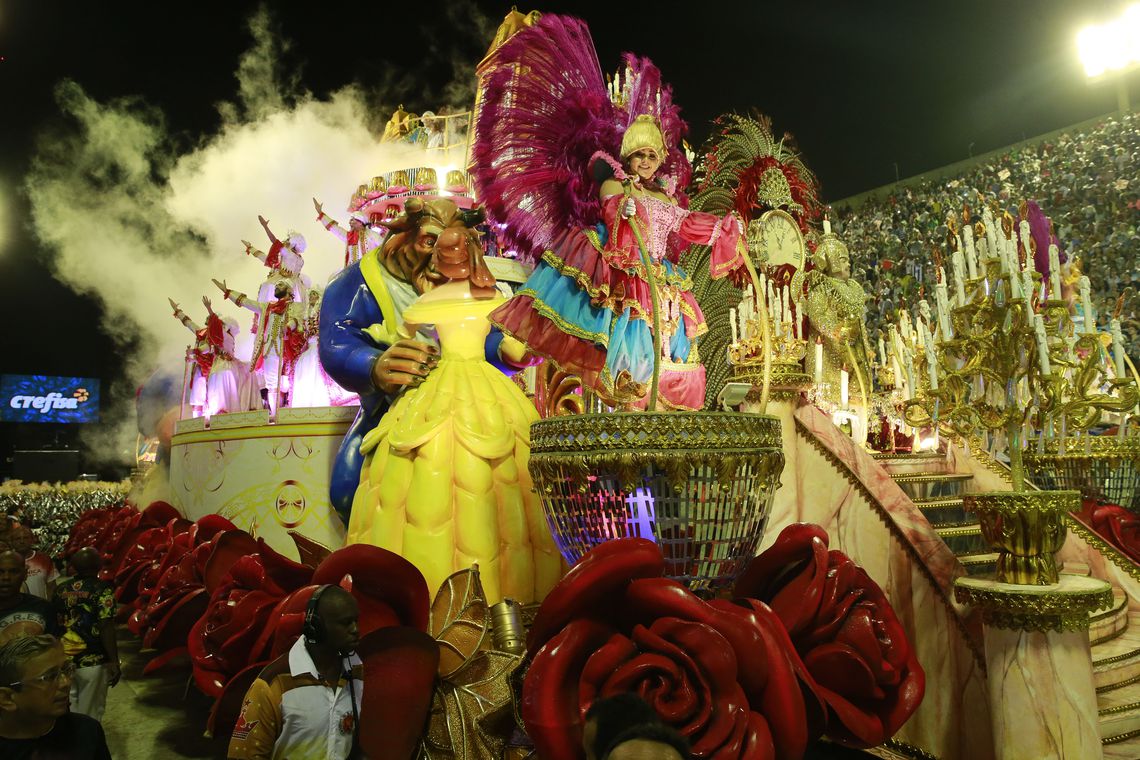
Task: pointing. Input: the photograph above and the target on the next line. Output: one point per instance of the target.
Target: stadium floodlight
(1112, 46)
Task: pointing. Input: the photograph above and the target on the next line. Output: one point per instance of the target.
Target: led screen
(45, 398)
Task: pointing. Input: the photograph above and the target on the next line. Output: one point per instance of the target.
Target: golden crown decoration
(774, 191)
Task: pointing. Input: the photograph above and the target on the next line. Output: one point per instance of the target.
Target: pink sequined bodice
(658, 218)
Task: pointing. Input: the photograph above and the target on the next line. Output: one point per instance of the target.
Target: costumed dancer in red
(312, 386)
(284, 261)
(199, 357)
(358, 239)
(583, 178)
(228, 386)
(279, 342)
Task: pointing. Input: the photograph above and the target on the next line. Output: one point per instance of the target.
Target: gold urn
(1026, 529)
(699, 484)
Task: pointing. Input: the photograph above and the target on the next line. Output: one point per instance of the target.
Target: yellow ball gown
(445, 482)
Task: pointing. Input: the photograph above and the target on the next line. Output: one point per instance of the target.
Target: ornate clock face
(782, 241)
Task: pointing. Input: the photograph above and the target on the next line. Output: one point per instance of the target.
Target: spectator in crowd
(1085, 181)
(34, 718)
(42, 574)
(611, 716)
(306, 703)
(86, 610)
(648, 741)
(21, 614)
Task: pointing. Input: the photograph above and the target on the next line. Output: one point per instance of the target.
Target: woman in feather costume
(582, 179)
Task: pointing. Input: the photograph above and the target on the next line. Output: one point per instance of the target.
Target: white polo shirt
(289, 712)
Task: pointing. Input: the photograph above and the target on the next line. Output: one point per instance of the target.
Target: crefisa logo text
(53, 400)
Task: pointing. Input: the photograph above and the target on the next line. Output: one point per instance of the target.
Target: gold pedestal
(1062, 606)
(1026, 528)
(699, 484)
(788, 379)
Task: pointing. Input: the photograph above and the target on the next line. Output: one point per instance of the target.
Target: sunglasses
(53, 676)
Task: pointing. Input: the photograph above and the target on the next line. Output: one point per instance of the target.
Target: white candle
(744, 321)
(1084, 287)
(900, 381)
(843, 388)
(732, 324)
(991, 231)
(1117, 347)
(1042, 345)
(787, 310)
(942, 304)
(774, 308)
(882, 352)
(920, 335)
(1030, 264)
(826, 226)
(958, 264)
(971, 253)
(1054, 272)
(932, 364)
(912, 389)
(1013, 270)
(818, 362)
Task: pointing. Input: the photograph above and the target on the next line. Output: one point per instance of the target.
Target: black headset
(314, 628)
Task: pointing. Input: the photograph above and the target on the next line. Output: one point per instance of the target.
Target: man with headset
(306, 703)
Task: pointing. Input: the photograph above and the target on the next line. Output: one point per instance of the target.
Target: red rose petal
(691, 686)
(763, 575)
(849, 725)
(858, 632)
(840, 668)
(600, 665)
(798, 602)
(758, 739)
(907, 698)
(593, 583)
(783, 702)
(550, 706)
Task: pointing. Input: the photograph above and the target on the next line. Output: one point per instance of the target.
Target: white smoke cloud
(6, 215)
(129, 219)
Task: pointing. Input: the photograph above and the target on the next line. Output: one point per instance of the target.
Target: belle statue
(444, 481)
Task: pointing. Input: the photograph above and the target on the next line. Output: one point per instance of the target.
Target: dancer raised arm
(239, 298)
(358, 239)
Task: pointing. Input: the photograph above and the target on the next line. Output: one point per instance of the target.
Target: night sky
(862, 85)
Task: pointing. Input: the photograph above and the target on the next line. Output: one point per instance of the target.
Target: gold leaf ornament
(472, 712)
(460, 620)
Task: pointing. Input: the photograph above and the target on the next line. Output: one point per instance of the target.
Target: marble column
(787, 383)
(1038, 665)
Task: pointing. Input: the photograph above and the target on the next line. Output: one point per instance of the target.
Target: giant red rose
(1119, 526)
(723, 674)
(844, 629)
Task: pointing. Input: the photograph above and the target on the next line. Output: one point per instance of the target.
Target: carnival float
(597, 413)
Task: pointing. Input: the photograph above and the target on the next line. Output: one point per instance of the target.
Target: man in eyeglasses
(35, 678)
(21, 614)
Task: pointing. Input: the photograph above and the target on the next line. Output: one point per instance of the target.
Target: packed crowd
(1085, 181)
